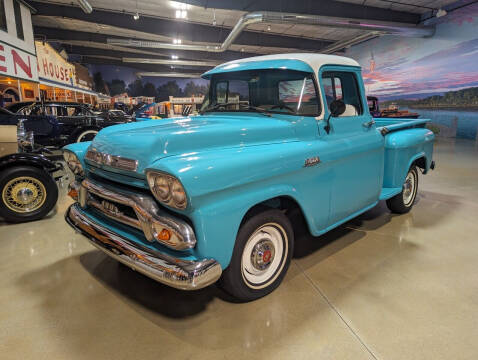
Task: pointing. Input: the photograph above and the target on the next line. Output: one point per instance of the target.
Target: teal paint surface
(229, 162)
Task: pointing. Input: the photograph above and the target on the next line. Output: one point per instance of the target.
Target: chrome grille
(114, 161)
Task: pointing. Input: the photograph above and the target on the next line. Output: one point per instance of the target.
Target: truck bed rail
(385, 125)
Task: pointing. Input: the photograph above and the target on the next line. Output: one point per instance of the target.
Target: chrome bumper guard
(177, 273)
(150, 218)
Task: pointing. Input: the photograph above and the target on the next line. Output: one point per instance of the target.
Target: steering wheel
(282, 106)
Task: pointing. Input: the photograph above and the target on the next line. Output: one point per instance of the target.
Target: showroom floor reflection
(381, 286)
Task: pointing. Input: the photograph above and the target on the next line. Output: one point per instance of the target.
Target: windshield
(271, 91)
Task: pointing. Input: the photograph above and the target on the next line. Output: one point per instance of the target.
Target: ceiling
(208, 22)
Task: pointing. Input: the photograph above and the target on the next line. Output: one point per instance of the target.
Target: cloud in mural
(403, 67)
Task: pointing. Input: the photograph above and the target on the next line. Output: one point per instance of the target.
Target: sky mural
(399, 67)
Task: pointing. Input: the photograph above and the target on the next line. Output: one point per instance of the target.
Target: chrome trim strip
(115, 161)
(147, 212)
(178, 273)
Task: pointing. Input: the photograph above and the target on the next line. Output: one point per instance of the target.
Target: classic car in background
(74, 122)
(28, 189)
(391, 112)
(219, 196)
(116, 115)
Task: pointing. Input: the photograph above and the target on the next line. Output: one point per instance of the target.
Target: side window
(53, 110)
(299, 95)
(343, 86)
(3, 19)
(18, 19)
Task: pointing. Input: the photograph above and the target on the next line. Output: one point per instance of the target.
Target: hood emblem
(312, 161)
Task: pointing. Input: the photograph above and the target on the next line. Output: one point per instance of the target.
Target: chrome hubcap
(409, 189)
(263, 254)
(25, 196)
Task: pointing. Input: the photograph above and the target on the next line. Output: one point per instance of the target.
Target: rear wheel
(261, 257)
(86, 135)
(403, 202)
(27, 193)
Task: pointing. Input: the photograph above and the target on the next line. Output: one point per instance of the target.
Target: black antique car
(116, 115)
(28, 189)
(73, 122)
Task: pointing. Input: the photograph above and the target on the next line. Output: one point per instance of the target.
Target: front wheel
(403, 202)
(261, 257)
(27, 193)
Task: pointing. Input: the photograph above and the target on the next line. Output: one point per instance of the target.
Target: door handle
(368, 124)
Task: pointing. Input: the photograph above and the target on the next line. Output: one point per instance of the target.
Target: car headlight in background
(73, 163)
(167, 189)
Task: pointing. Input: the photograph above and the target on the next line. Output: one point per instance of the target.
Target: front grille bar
(148, 213)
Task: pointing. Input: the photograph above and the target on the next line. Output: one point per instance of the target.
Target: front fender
(222, 185)
(29, 159)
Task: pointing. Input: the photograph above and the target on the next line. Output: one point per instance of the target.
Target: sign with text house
(17, 63)
(52, 66)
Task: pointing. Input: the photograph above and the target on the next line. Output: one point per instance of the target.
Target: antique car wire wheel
(24, 194)
(409, 188)
(264, 255)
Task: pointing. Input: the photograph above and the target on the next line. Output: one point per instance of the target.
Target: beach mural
(435, 77)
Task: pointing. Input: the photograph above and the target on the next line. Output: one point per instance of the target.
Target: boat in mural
(392, 111)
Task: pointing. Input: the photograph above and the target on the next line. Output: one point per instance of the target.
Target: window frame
(334, 71)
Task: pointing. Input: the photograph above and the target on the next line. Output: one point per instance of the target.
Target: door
(356, 148)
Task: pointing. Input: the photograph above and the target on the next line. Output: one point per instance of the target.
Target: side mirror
(337, 108)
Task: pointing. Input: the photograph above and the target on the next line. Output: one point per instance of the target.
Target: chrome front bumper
(177, 273)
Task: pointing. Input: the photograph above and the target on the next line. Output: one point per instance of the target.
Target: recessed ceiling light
(181, 14)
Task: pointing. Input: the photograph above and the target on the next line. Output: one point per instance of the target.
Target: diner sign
(52, 66)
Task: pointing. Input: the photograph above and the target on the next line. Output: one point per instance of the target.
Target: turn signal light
(164, 235)
(73, 193)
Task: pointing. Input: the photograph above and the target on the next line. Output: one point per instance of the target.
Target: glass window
(3, 19)
(299, 95)
(343, 86)
(272, 90)
(18, 19)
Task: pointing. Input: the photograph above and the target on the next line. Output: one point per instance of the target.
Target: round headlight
(167, 189)
(73, 163)
(178, 194)
(161, 188)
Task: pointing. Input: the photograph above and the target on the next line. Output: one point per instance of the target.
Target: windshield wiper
(217, 106)
(247, 106)
(257, 109)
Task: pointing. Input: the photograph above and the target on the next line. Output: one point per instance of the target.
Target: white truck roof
(315, 61)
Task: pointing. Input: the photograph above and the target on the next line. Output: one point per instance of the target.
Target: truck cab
(189, 201)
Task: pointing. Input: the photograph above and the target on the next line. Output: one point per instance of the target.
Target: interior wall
(424, 74)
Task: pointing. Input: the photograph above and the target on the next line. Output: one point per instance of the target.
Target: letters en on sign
(17, 63)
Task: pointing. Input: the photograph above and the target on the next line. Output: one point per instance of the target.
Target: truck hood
(149, 141)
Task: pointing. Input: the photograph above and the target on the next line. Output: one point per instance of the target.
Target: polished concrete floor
(379, 287)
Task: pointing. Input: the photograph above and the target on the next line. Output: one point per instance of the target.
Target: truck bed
(387, 125)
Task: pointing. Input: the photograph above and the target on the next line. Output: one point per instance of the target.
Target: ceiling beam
(188, 32)
(63, 36)
(312, 7)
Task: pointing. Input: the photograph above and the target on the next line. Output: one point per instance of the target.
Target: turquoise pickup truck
(216, 197)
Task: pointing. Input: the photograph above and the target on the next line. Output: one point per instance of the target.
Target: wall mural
(436, 77)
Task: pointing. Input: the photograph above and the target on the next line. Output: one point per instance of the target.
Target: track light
(268, 28)
(85, 6)
(177, 41)
(181, 14)
(174, 57)
(136, 16)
